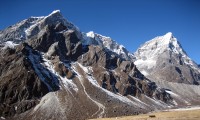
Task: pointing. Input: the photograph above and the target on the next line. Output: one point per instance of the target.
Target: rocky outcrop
(73, 45)
(66, 45)
(63, 71)
(92, 38)
(96, 56)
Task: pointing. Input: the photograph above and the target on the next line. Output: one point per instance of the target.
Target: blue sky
(129, 22)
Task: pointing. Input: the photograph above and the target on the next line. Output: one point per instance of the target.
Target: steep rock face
(97, 56)
(23, 81)
(118, 75)
(65, 44)
(163, 58)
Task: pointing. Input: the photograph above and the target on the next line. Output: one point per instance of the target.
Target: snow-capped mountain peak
(168, 36)
(29, 27)
(53, 18)
(160, 51)
(55, 12)
(160, 44)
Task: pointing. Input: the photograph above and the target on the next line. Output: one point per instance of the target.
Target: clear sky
(129, 22)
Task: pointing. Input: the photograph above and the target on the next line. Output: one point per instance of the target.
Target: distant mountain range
(49, 69)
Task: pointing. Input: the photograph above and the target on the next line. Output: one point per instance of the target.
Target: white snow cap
(52, 13)
(148, 54)
(168, 35)
(55, 11)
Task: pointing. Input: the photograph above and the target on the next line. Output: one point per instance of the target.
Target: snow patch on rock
(92, 38)
(68, 83)
(9, 44)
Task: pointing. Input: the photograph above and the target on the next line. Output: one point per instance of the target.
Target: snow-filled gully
(67, 84)
(101, 107)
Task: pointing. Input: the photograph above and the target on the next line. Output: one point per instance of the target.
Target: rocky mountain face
(23, 80)
(164, 61)
(163, 58)
(50, 70)
(92, 38)
(33, 26)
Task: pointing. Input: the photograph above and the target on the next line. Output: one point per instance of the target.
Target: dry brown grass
(171, 115)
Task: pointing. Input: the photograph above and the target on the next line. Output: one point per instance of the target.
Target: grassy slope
(171, 115)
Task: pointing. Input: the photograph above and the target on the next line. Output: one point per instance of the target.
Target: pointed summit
(55, 12)
(168, 36)
(32, 26)
(165, 53)
(159, 45)
(169, 33)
